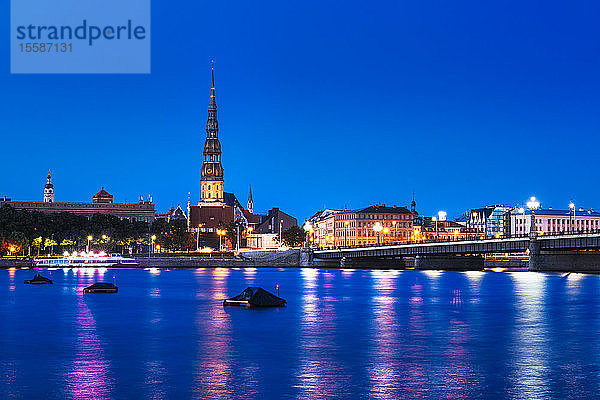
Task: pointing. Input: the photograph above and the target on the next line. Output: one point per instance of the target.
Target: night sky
(326, 104)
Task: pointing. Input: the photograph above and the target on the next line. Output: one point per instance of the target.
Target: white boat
(83, 260)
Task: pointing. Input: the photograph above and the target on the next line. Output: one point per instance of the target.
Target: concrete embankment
(274, 259)
(10, 263)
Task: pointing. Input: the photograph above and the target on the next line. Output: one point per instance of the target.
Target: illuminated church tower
(211, 175)
(49, 190)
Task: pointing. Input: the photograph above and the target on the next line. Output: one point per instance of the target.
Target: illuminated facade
(49, 190)
(549, 221)
(427, 229)
(102, 203)
(356, 227)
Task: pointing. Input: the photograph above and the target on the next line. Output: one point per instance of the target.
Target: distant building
(102, 203)
(174, 214)
(275, 221)
(356, 227)
(549, 221)
(323, 227)
(491, 221)
(266, 232)
(427, 229)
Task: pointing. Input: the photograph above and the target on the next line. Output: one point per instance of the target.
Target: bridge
(575, 252)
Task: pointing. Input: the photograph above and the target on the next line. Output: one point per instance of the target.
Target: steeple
(213, 99)
(211, 180)
(413, 204)
(250, 202)
(49, 190)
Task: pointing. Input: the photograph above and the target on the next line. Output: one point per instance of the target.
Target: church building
(216, 207)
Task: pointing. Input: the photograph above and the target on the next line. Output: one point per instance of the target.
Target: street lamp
(442, 215)
(151, 245)
(434, 219)
(571, 221)
(221, 233)
(533, 204)
(280, 233)
(198, 238)
(89, 238)
(307, 228)
(395, 231)
(347, 223)
(377, 228)
(386, 231)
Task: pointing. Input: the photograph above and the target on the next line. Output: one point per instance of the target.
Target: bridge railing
(471, 238)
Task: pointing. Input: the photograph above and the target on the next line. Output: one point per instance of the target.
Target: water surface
(345, 334)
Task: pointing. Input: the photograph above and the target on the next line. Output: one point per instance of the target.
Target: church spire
(250, 202)
(211, 181)
(413, 204)
(213, 99)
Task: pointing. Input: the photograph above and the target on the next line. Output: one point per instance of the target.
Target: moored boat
(255, 297)
(101, 287)
(38, 280)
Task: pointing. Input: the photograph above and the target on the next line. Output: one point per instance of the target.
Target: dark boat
(39, 280)
(101, 287)
(255, 297)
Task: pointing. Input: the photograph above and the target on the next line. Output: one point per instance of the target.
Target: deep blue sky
(326, 104)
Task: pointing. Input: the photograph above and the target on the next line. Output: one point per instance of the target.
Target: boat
(101, 287)
(83, 259)
(39, 280)
(255, 297)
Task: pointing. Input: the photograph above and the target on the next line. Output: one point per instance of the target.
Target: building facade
(102, 203)
(427, 229)
(322, 223)
(549, 221)
(358, 227)
(491, 221)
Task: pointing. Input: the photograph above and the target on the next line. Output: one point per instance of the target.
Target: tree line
(31, 233)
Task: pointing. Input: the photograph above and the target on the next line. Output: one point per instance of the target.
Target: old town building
(102, 203)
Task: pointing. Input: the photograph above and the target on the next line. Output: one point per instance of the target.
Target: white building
(263, 241)
(555, 221)
(323, 227)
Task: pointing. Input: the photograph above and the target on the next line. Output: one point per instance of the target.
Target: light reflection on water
(345, 333)
(90, 373)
